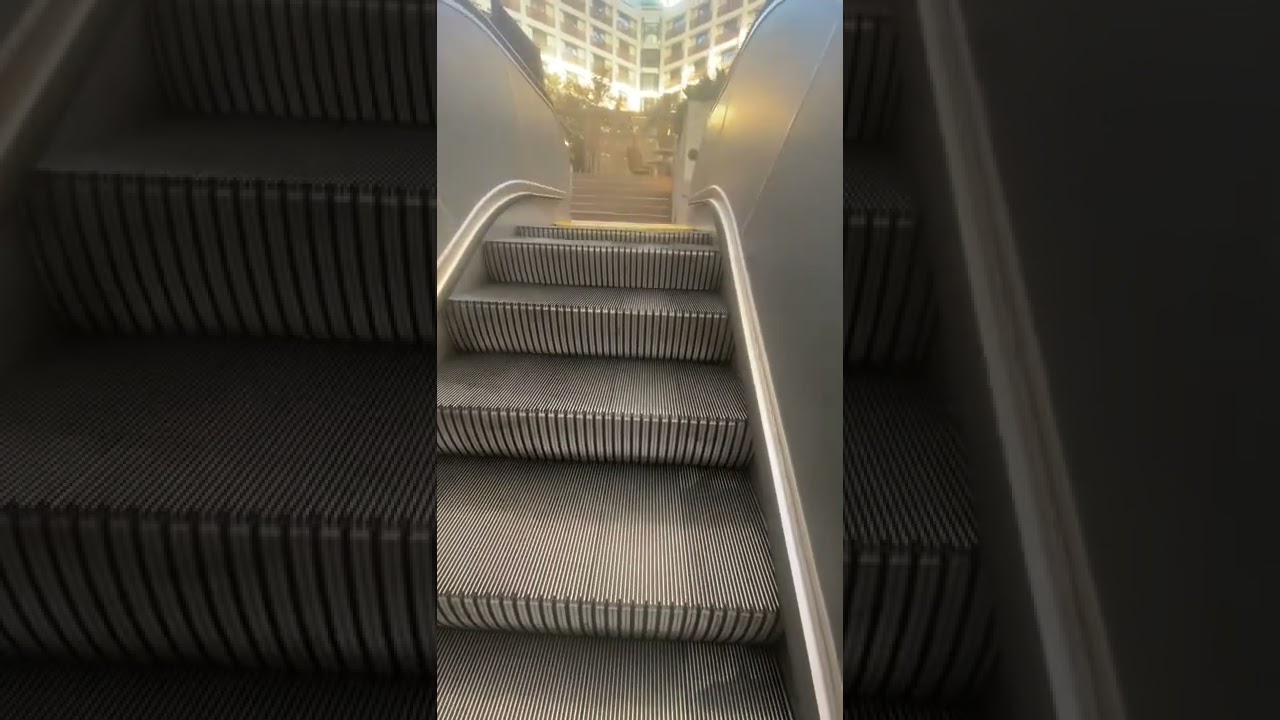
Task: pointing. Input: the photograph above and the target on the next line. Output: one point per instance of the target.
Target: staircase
(601, 550)
(217, 499)
(621, 198)
(918, 626)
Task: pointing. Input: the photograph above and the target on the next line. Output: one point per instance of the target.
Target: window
(701, 14)
(626, 51)
(599, 38)
(626, 25)
(673, 77)
(648, 81)
(539, 11)
(727, 6)
(701, 40)
(727, 59)
(650, 57)
(601, 11)
(541, 39)
(574, 27)
(652, 32)
(573, 53)
(728, 30)
(675, 26)
(676, 51)
(601, 66)
(626, 76)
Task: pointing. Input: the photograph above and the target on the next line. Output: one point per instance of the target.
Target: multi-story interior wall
(646, 48)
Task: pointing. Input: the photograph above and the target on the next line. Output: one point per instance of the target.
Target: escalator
(919, 625)
(600, 546)
(218, 496)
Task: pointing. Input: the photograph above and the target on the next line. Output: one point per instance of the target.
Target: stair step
(622, 216)
(545, 677)
(606, 409)
(606, 322)
(351, 60)
(641, 551)
(51, 691)
(601, 263)
(259, 228)
(616, 234)
(872, 76)
(889, 310)
(482, 675)
(917, 620)
(248, 504)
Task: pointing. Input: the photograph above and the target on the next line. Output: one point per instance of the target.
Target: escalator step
(606, 322)
(917, 620)
(544, 677)
(245, 504)
(575, 408)
(258, 228)
(619, 233)
(889, 311)
(597, 263)
(342, 60)
(52, 691)
(640, 551)
(855, 710)
(873, 83)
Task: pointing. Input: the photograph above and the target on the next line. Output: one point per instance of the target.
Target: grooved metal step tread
(601, 263)
(545, 677)
(889, 307)
(643, 301)
(918, 621)
(220, 502)
(874, 183)
(52, 691)
(350, 60)
(236, 228)
(593, 321)
(872, 73)
(387, 157)
(861, 710)
(621, 233)
(587, 408)
(643, 551)
(905, 471)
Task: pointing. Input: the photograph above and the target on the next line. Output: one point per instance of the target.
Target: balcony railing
(579, 5)
(603, 14)
(578, 30)
(602, 42)
(541, 16)
(627, 55)
(675, 55)
(726, 35)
